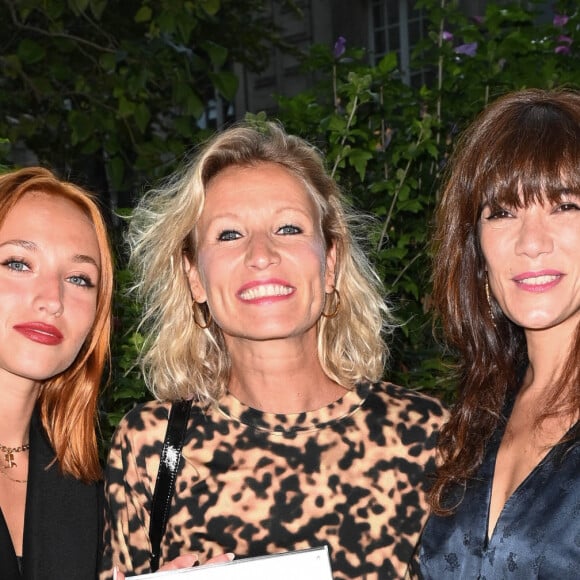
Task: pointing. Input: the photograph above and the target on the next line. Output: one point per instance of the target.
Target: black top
(537, 535)
(62, 524)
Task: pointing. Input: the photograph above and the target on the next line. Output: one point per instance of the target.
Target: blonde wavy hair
(179, 359)
(68, 401)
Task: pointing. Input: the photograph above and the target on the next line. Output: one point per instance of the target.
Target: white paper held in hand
(309, 564)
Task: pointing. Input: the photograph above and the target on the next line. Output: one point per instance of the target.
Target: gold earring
(488, 296)
(336, 306)
(194, 307)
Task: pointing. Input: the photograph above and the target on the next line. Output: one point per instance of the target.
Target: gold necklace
(2, 471)
(9, 454)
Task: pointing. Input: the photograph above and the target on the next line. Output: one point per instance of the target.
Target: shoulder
(145, 423)
(402, 416)
(146, 415)
(402, 401)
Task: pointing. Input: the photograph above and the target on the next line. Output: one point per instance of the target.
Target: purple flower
(339, 47)
(447, 36)
(562, 49)
(564, 46)
(480, 20)
(565, 39)
(560, 20)
(469, 49)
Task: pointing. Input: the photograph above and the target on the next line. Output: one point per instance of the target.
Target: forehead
(261, 185)
(54, 218)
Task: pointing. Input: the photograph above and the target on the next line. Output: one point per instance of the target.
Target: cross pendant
(9, 460)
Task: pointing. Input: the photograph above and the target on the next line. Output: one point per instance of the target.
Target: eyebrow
(31, 246)
(287, 208)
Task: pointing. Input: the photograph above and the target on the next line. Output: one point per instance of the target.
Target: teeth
(264, 291)
(539, 280)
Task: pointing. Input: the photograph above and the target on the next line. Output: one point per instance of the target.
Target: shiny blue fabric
(537, 535)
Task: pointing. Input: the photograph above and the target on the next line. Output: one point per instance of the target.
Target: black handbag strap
(166, 476)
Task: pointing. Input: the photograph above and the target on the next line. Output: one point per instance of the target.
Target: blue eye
(16, 265)
(83, 281)
(289, 230)
(229, 235)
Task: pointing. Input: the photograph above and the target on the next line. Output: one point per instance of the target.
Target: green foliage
(122, 85)
(387, 142)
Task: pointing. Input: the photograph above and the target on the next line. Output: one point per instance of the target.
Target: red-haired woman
(56, 281)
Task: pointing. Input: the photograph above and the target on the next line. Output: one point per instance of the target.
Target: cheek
(86, 313)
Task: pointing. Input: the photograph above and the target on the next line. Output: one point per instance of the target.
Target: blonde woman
(261, 307)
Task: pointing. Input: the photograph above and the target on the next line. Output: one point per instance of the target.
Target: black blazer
(62, 522)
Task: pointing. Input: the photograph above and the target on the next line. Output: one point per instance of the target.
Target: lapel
(8, 564)
(62, 525)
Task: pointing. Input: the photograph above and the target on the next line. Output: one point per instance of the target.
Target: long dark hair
(523, 148)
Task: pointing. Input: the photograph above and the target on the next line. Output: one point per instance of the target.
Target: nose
(49, 295)
(534, 237)
(261, 252)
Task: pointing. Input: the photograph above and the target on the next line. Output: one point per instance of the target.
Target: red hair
(68, 401)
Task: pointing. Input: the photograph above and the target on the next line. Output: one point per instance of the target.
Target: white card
(309, 564)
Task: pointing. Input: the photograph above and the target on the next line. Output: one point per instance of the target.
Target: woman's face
(49, 274)
(263, 267)
(533, 262)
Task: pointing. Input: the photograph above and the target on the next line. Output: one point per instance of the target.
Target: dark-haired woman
(506, 501)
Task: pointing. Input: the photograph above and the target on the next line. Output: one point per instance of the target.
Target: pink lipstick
(40, 332)
(540, 281)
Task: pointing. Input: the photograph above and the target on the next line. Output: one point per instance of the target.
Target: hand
(185, 561)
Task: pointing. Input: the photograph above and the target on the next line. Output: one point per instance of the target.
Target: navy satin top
(537, 535)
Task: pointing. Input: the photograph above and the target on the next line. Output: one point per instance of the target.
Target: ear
(330, 274)
(194, 279)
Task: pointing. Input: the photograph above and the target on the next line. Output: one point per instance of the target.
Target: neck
(548, 351)
(279, 377)
(16, 407)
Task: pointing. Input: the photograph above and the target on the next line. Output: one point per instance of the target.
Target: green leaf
(30, 52)
(388, 63)
(108, 62)
(226, 83)
(81, 126)
(166, 22)
(126, 108)
(143, 14)
(211, 7)
(142, 116)
(217, 54)
(359, 158)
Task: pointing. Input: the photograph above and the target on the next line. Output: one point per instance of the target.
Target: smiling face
(533, 262)
(262, 263)
(49, 273)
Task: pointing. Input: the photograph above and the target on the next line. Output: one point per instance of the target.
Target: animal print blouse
(351, 475)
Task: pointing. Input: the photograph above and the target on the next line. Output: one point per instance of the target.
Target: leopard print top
(351, 475)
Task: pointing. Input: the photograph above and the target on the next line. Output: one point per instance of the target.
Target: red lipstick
(40, 332)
